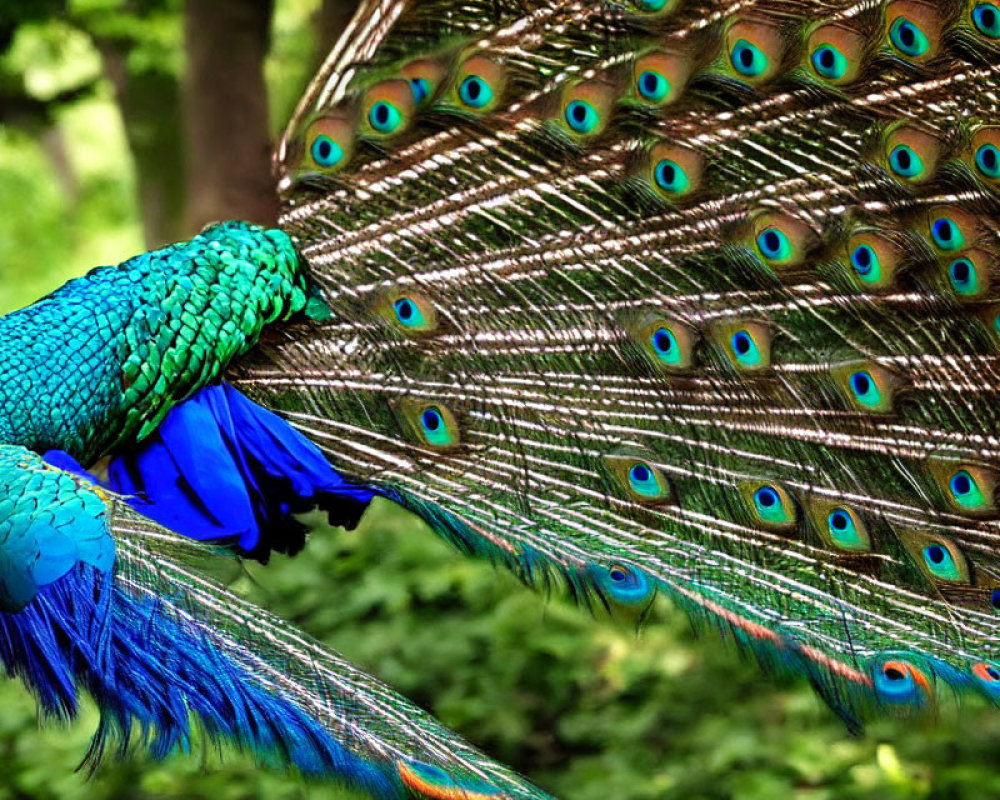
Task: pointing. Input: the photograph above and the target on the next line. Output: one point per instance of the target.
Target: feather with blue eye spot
(660, 78)
(410, 312)
(769, 505)
(867, 386)
(836, 54)
(585, 108)
(970, 275)
(985, 18)
(754, 51)
(674, 172)
(968, 488)
(910, 154)
(639, 477)
(839, 525)
(985, 154)
(746, 344)
(914, 29)
(478, 85)
(667, 343)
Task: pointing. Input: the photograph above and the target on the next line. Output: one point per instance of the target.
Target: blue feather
(221, 468)
(149, 673)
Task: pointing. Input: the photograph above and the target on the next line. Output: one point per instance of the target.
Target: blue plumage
(150, 673)
(222, 469)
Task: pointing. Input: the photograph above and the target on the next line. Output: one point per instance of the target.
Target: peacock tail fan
(692, 297)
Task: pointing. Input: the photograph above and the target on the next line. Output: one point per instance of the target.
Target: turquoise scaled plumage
(50, 522)
(101, 361)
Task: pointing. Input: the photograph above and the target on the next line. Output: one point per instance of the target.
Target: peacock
(694, 298)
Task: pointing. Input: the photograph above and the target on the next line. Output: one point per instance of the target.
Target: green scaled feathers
(142, 337)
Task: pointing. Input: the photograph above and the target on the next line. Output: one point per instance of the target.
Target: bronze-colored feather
(706, 292)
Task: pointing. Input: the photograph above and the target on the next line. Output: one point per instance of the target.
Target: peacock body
(691, 297)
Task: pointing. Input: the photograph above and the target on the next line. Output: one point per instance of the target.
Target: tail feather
(691, 297)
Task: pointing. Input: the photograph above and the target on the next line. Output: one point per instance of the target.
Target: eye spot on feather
(835, 53)
(384, 117)
(915, 28)
(748, 59)
(773, 245)
(586, 108)
(431, 424)
(755, 51)
(329, 142)
(867, 386)
(985, 152)
(846, 531)
(622, 584)
(986, 19)
(641, 480)
(905, 162)
(951, 228)
(828, 62)
(424, 76)
(911, 154)
(947, 235)
(326, 152)
(988, 160)
(865, 261)
(581, 116)
(411, 313)
(899, 682)
(660, 77)
(968, 488)
(745, 349)
(940, 563)
(435, 427)
(674, 171)
(408, 313)
(908, 39)
(389, 108)
(969, 275)
(644, 480)
(747, 345)
(964, 489)
(667, 343)
(938, 557)
(652, 86)
(475, 92)
(665, 346)
(865, 389)
(781, 241)
(874, 260)
(479, 84)
(770, 506)
(671, 177)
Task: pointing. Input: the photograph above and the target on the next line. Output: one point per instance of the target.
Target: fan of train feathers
(692, 297)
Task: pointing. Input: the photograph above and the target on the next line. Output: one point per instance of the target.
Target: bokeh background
(126, 124)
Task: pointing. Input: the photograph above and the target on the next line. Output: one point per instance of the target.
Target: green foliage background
(587, 708)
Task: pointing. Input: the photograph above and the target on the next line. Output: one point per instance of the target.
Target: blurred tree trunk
(149, 102)
(226, 112)
(332, 19)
